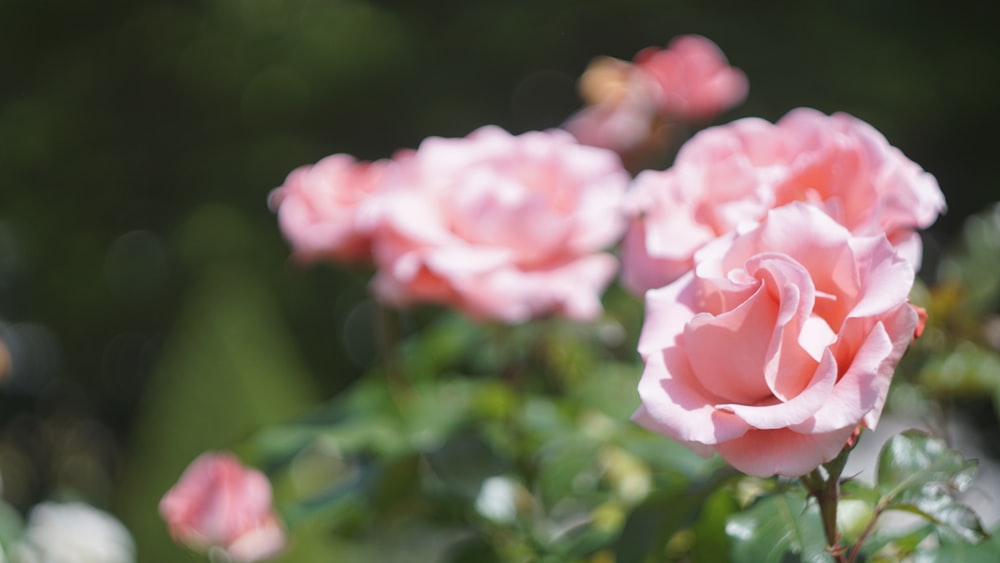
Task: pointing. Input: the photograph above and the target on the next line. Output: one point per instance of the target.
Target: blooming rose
(219, 503)
(501, 226)
(321, 208)
(779, 343)
(625, 128)
(733, 173)
(620, 110)
(693, 78)
(631, 106)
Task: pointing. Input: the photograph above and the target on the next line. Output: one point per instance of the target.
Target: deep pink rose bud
(220, 503)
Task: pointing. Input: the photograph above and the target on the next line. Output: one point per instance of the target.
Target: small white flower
(73, 533)
(497, 499)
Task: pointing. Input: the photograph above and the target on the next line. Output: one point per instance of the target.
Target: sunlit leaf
(775, 527)
(913, 459)
(918, 473)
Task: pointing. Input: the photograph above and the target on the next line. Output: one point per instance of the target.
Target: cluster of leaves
(917, 475)
(960, 353)
(486, 443)
(473, 442)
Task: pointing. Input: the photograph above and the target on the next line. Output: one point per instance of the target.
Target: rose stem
(827, 493)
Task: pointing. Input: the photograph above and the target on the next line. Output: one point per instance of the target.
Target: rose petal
(764, 453)
(794, 411)
(856, 391)
(727, 352)
(673, 403)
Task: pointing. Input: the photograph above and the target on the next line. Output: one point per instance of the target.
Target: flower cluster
(631, 106)
(735, 173)
(495, 225)
(776, 260)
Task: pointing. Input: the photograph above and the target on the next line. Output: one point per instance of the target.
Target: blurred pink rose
(322, 208)
(735, 173)
(623, 128)
(500, 226)
(620, 112)
(779, 343)
(219, 503)
(632, 107)
(694, 79)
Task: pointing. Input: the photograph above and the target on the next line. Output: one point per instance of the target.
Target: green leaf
(433, 411)
(918, 473)
(11, 524)
(673, 506)
(974, 267)
(775, 527)
(912, 460)
(567, 468)
(854, 489)
(960, 553)
(892, 543)
(441, 347)
(710, 540)
(967, 369)
(954, 521)
(611, 388)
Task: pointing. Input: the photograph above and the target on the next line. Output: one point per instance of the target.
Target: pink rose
(220, 503)
(621, 110)
(501, 226)
(322, 208)
(694, 79)
(623, 128)
(778, 345)
(734, 173)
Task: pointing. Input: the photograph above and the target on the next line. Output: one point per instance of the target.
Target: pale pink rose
(694, 79)
(735, 173)
(500, 226)
(322, 208)
(619, 127)
(778, 345)
(219, 503)
(621, 109)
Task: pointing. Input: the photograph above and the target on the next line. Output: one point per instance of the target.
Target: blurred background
(146, 296)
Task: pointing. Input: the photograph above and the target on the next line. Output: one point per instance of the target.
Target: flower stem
(826, 490)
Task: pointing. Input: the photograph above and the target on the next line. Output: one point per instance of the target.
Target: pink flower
(501, 226)
(219, 503)
(778, 345)
(322, 208)
(694, 79)
(620, 112)
(623, 128)
(734, 173)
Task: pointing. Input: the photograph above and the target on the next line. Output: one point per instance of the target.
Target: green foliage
(124, 119)
(228, 370)
(531, 465)
(777, 528)
(920, 474)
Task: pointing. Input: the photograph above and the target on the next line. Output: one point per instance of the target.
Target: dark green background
(144, 286)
